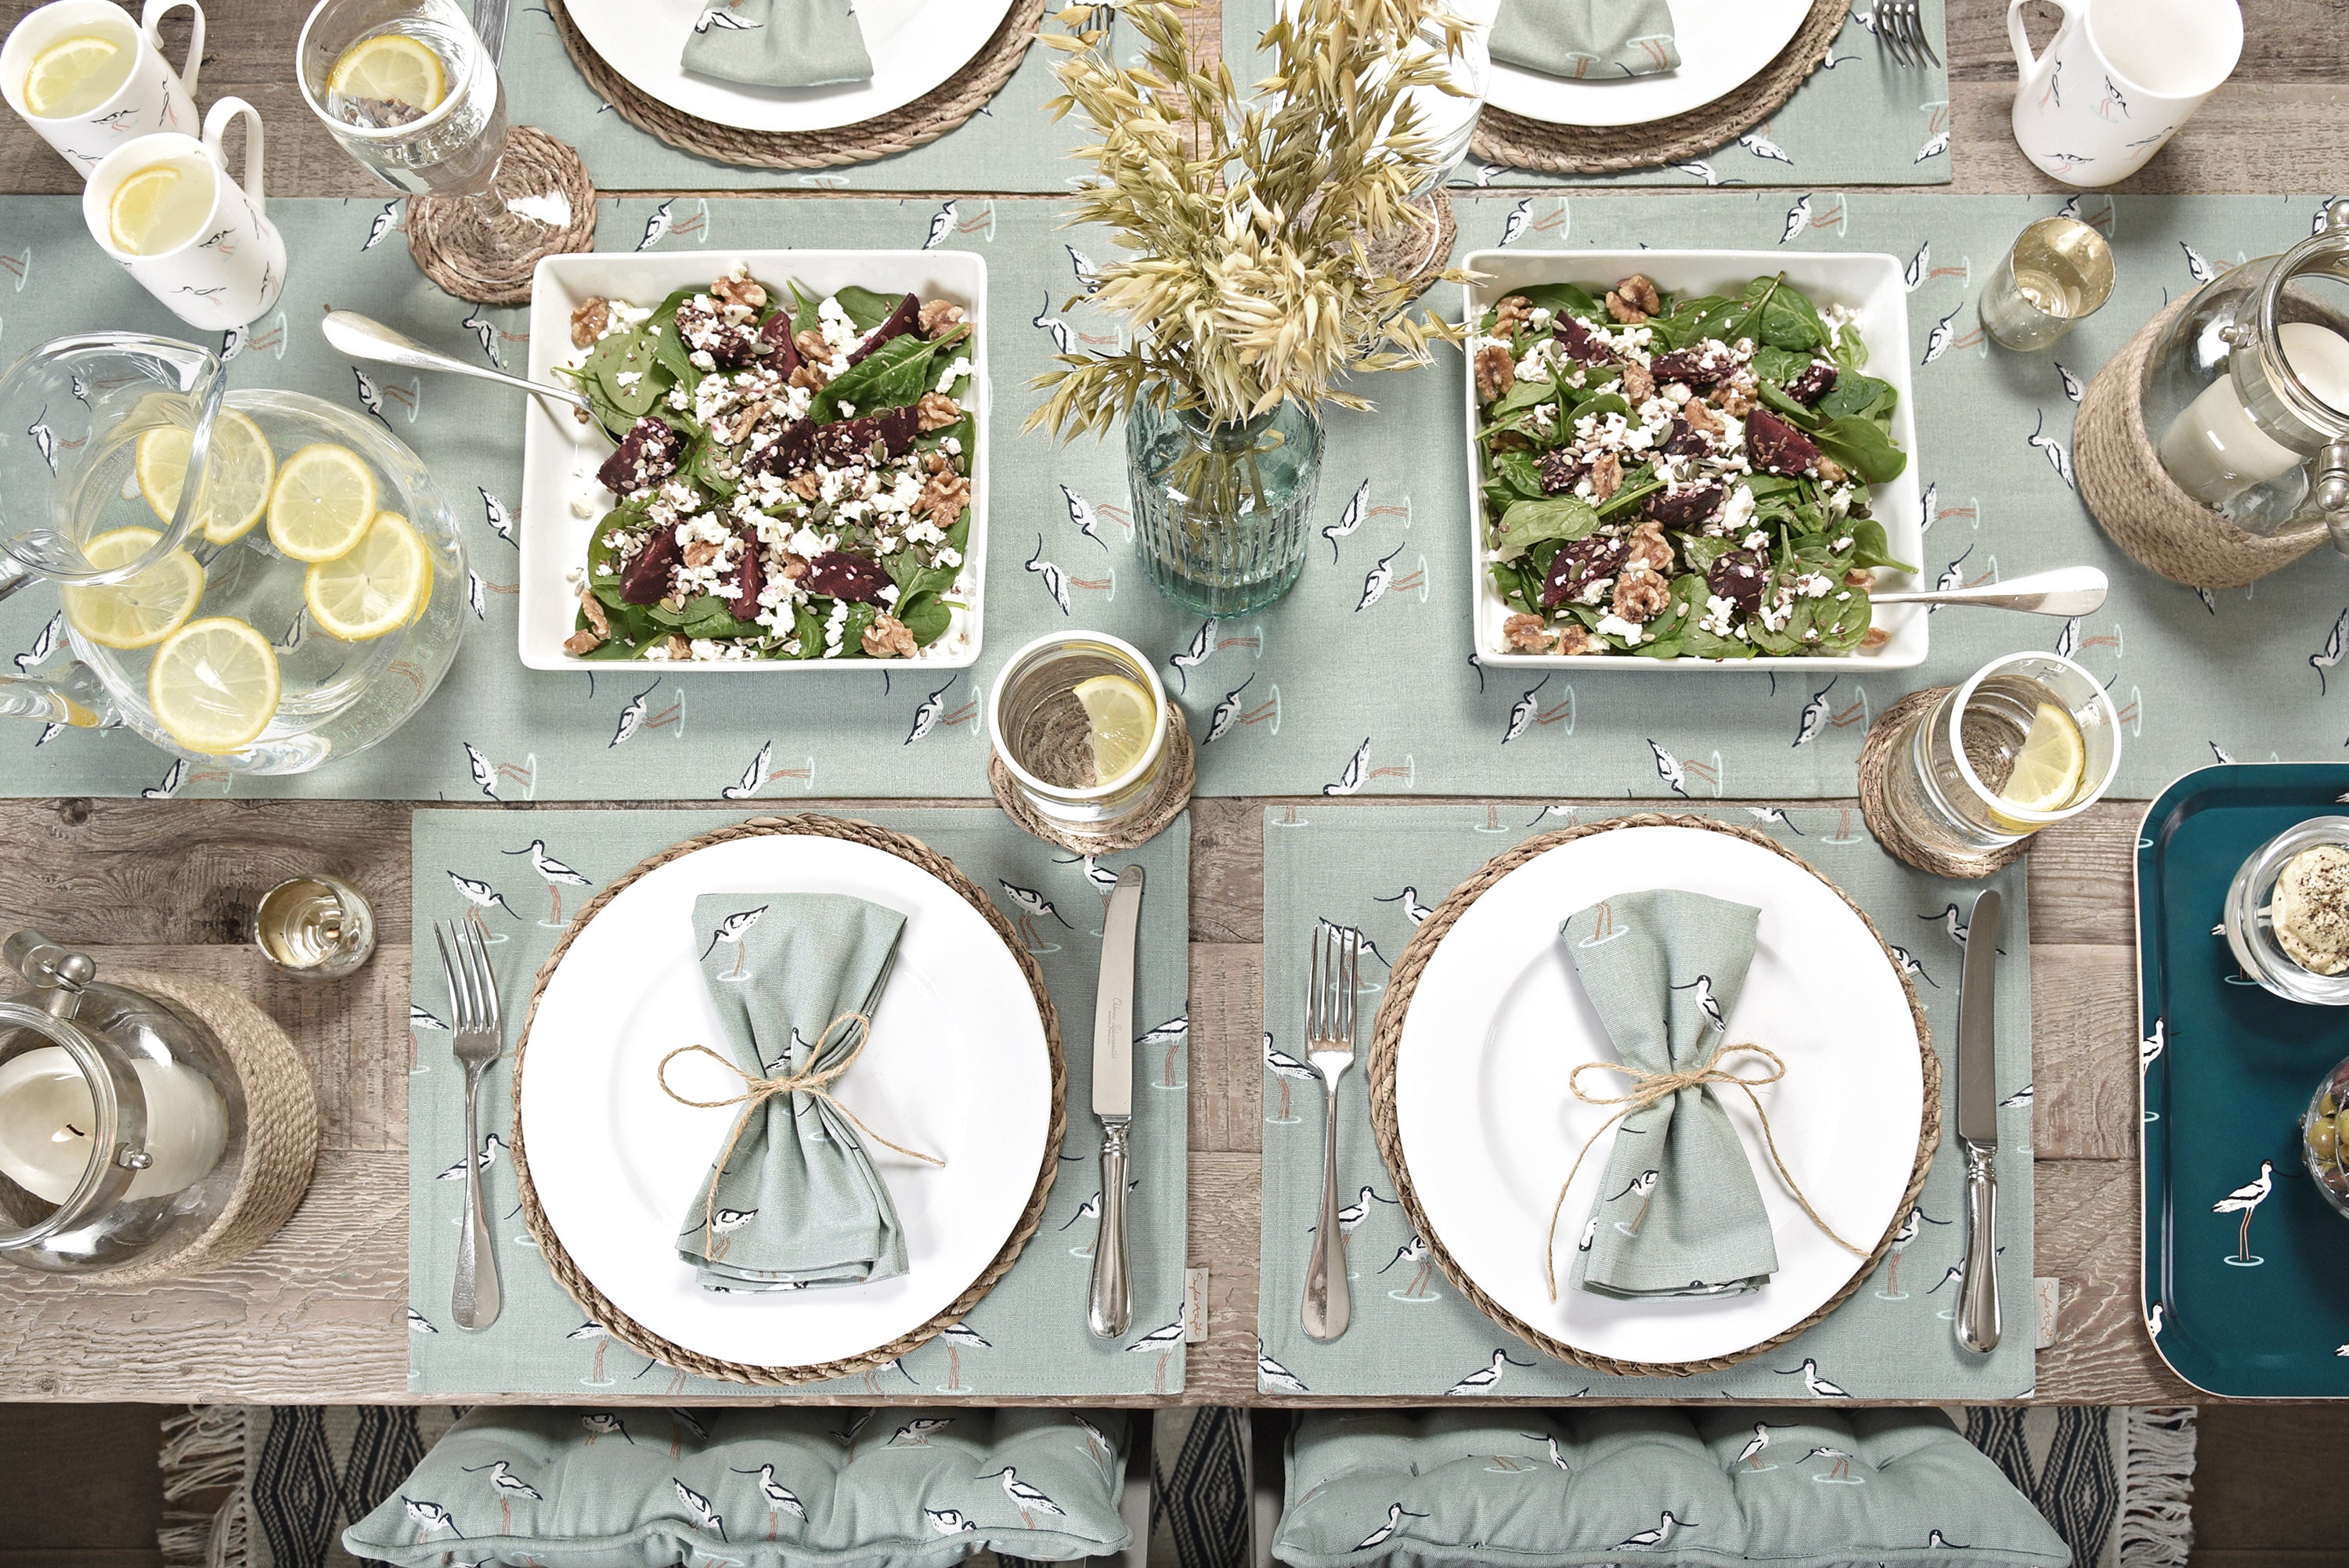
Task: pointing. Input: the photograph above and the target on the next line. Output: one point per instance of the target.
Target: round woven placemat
(924, 120)
(600, 1309)
(1149, 819)
(2132, 498)
(280, 1128)
(1522, 143)
(1404, 979)
(450, 244)
(1877, 756)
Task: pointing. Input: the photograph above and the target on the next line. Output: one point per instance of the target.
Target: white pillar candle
(46, 1119)
(2214, 450)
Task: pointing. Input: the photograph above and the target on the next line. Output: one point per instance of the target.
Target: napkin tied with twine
(793, 1198)
(779, 43)
(1586, 39)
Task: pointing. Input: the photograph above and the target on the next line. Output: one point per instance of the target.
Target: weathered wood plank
(2083, 1102)
(2252, 137)
(2284, 40)
(1226, 1199)
(2089, 1228)
(1226, 1055)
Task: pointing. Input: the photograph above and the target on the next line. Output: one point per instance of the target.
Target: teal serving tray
(2243, 1312)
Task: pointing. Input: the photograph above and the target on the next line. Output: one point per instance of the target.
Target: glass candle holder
(1047, 719)
(315, 927)
(2056, 274)
(2030, 740)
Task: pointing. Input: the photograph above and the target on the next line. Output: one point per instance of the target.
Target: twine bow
(813, 1082)
(1647, 1088)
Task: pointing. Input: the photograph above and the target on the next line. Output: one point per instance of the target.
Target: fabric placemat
(1369, 867)
(1860, 120)
(1285, 702)
(1033, 1322)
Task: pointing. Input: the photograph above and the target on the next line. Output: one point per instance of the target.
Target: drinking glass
(1448, 122)
(1972, 774)
(315, 927)
(1043, 735)
(2058, 274)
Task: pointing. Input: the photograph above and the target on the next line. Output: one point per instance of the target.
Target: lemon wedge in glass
(214, 686)
(323, 504)
(2050, 768)
(74, 75)
(139, 611)
(1118, 717)
(243, 470)
(391, 66)
(379, 587)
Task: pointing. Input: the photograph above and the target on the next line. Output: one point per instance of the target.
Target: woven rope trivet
(1521, 143)
(280, 1128)
(924, 120)
(1404, 979)
(1878, 755)
(446, 239)
(2132, 498)
(1149, 819)
(601, 1310)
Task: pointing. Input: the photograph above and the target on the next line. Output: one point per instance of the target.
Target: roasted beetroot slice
(1686, 507)
(1579, 564)
(747, 579)
(1685, 440)
(1581, 344)
(1814, 383)
(1558, 472)
(1690, 366)
(839, 574)
(1777, 447)
(646, 580)
(776, 350)
(1738, 578)
(647, 455)
(899, 321)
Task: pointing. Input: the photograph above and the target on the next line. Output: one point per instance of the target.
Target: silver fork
(474, 1025)
(1336, 967)
(1900, 28)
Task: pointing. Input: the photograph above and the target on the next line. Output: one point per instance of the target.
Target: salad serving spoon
(364, 338)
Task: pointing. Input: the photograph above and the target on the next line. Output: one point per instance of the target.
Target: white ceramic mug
(154, 97)
(232, 268)
(2117, 81)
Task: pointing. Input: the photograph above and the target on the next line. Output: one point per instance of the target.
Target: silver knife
(489, 25)
(1978, 1324)
(1110, 1310)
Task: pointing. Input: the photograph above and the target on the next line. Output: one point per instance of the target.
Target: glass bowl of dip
(2288, 913)
(2325, 1138)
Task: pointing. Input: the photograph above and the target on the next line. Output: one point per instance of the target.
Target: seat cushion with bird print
(1599, 40)
(1794, 1487)
(779, 43)
(646, 1487)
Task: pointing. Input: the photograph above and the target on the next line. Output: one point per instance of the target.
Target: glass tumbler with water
(1079, 723)
(2029, 741)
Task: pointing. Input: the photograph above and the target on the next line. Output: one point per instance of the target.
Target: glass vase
(1221, 512)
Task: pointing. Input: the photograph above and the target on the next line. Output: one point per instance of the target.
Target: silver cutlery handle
(2066, 590)
(477, 1300)
(1109, 1310)
(364, 338)
(1978, 1323)
(1328, 1304)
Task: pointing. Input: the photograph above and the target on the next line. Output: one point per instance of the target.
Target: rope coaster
(1403, 980)
(924, 120)
(1522, 143)
(281, 1128)
(1150, 819)
(448, 243)
(1403, 246)
(1878, 755)
(2132, 498)
(600, 1309)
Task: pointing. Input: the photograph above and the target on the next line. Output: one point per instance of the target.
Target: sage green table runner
(1370, 866)
(1027, 1336)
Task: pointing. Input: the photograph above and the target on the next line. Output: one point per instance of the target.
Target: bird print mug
(147, 95)
(205, 246)
(2117, 81)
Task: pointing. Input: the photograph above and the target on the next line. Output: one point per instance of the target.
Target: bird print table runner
(1026, 1337)
(1381, 869)
(1359, 682)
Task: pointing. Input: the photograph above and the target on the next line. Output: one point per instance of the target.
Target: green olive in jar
(2341, 1133)
(2324, 1137)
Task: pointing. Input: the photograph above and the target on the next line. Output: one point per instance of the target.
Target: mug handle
(150, 20)
(216, 128)
(2026, 62)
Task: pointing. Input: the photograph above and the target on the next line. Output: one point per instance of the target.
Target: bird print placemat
(1380, 870)
(1360, 681)
(526, 880)
(1859, 119)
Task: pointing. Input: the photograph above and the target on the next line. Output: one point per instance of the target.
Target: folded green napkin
(1678, 1211)
(1579, 38)
(779, 43)
(796, 1201)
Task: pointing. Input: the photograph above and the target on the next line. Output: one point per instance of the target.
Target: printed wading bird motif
(508, 1486)
(1818, 1387)
(481, 896)
(1485, 1378)
(557, 876)
(1032, 906)
(601, 1336)
(419, 1324)
(605, 1424)
(1165, 1342)
(731, 931)
(1025, 1497)
(947, 1522)
(1902, 1240)
(958, 1336)
(2245, 1200)
(1750, 1456)
(1662, 1535)
(1413, 910)
(1396, 1514)
(917, 1432)
(429, 1517)
(1414, 1251)
(781, 1499)
(1271, 1373)
(1289, 1069)
(1839, 1468)
(700, 1508)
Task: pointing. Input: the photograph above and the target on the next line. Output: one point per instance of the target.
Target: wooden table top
(316, 1316)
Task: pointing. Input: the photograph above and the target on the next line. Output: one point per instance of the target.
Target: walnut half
(1527, 634)
(887, 638)
(1496, 372)
(936, 411)
(939, 317)
(1512, 316)
(1640, 594)
(588, 322)
(1634, 300)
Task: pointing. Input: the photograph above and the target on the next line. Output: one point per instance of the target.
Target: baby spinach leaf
(1529, 522)
(1863, 449)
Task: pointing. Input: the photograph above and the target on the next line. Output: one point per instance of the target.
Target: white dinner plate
(1723, 44)
(917, 46)
(1498, 1022)
(957, 1066)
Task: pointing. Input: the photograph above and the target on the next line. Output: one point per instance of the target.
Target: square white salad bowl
(1868, 285)
(560, 456)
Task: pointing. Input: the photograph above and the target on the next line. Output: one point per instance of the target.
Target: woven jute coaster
(1412, 255)
(924, 120)
(602, 1310)
(281, 1128)
(2132, 498)
(1403, 980)
(448, 242)
(1521, 143)
(1878, 755)
(1165, 802)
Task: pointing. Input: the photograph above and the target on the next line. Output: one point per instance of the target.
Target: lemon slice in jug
(139, 611)
(243, 470)
(214, 686)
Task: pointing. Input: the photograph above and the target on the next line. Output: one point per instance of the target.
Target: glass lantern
(2247, 399)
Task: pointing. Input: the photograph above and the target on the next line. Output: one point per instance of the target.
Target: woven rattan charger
(1521, 143)
(1403, 980)
(603, 1311)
